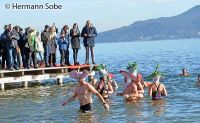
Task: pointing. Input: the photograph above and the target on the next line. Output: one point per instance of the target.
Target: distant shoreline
(150, 40)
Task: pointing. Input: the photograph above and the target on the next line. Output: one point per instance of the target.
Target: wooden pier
(26, 75)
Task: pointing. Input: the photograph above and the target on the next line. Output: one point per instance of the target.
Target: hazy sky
(105, 14)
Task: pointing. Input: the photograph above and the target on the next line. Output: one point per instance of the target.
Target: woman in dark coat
(89, 33)
(75, 41)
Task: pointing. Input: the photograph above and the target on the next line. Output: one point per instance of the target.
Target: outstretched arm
(71, 99)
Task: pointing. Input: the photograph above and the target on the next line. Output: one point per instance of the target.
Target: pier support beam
(60, 81)
(25, 84)
(2, 86)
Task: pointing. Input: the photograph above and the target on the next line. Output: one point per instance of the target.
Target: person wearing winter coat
(65, 30)
(10, 38)
(64, 49)
(32, 47)
(44, 38)
(40, 48)
(52, 46)
(89, 33)
(75, 42)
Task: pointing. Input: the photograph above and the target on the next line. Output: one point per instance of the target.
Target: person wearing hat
(83, 92)
(157, 89)
(133, 70)
(130, 93)
(103, 86)
(112, 82)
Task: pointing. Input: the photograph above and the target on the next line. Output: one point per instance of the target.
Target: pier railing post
(60, 80)
(25, 84)
(2, 86)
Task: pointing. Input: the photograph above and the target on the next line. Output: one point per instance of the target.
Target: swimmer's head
(156, 78)
(184, 70)
(132, 68)
(199, 77)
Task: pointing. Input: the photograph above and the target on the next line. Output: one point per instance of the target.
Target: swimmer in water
(130, 93)
(157, 89)
(83, 92)
(185, 72)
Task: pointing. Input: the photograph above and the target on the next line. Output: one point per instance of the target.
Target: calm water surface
(43, 103)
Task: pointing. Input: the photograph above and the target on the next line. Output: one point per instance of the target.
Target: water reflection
(159, 107)
(86, 118)
(134, 110)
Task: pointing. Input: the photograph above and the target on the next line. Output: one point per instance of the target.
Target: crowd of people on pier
(29, 48)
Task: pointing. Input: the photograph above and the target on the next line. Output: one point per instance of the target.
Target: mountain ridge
(181, 26)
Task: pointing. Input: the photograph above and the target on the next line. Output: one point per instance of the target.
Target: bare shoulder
(89, 86)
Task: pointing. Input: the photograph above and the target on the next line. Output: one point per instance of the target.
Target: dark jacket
(89, 40)
(75, 41)
(22, 41)
(44, 37)
(10, 39)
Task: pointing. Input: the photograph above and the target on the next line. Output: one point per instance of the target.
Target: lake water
(43, 103)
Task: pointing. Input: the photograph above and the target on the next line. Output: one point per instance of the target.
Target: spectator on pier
(3, 49)
(22, 43)
(18, 49)
(65, 30)
(10, 38)
(75, 42)
(52, 45)
(89, 33)
(40, 49)
(44, 38)
(32, 47)
(63, 48)
(26, 49)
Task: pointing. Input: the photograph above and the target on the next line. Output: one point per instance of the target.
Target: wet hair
(199, 76)
(184, 69)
